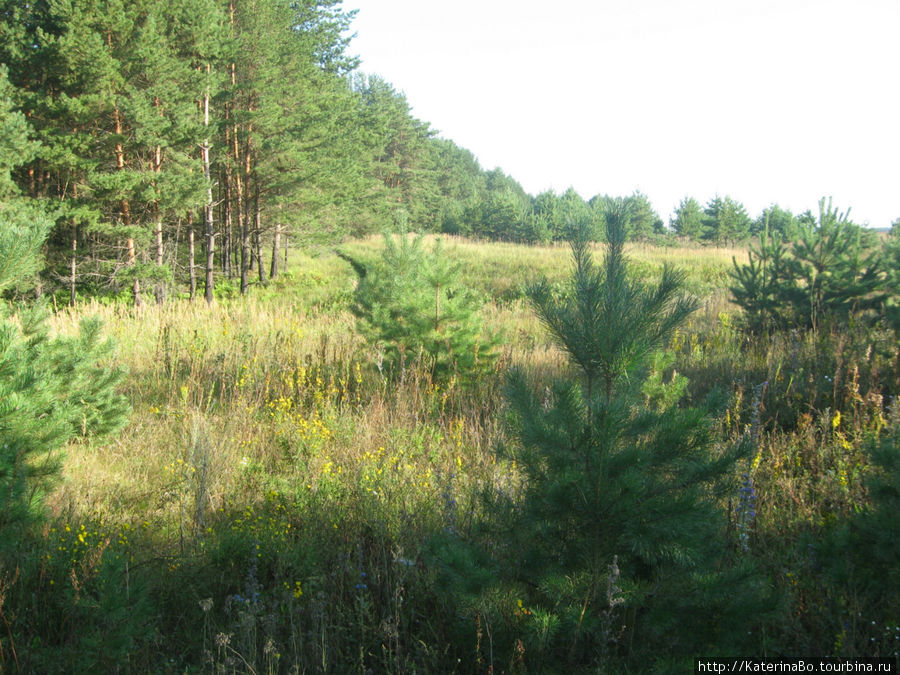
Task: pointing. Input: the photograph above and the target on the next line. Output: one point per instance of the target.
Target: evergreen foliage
(52, 389)
(763, 284)
(688, 219)
(725, 220)
(412, 305)
(829, 274)
(892, 274)
(776, 220)
(618, 540)
(607, 296)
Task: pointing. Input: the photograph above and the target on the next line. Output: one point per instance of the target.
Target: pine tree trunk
(191, 253)
(72, 267)
(245, 251)
(126, 210)
(132, 262)
(244, 186)
(227, 244)
(74, 254)
(157, 168)
(276, 243)
(243, 228)
(209, 281)
(261, 269)
(160, 289)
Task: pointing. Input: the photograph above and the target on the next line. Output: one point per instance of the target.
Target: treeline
(180, 142)
(173, 144)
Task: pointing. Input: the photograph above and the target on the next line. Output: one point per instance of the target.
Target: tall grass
(268, 508)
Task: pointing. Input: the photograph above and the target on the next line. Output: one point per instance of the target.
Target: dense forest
(173, 144)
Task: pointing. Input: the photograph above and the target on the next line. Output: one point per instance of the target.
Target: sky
(766, 101)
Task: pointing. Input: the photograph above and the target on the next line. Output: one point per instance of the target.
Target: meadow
(272, 504)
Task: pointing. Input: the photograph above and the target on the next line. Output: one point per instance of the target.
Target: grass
(269, 505)
(504, 270)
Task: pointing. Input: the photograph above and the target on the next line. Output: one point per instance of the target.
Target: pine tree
(52, 389)
(412, 305)
(619, 534)
(725, 220)
(688, 219)
(829, 274)
(764, 287)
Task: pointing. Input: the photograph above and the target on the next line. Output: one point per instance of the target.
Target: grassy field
(268, 507)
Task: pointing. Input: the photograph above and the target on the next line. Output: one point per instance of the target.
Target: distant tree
(461, 185)
(807, 219)
(832, 271)
(503, 215)
(688, 219)
(574, 215)
(545, 217)
(777, 221)
(504, 208)
(403, 162)
(725, 220)
(643, 220)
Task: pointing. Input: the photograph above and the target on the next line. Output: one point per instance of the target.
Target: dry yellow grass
(206, 384)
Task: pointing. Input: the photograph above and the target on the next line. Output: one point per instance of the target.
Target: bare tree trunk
(157, 168)
(159, 243)
(246, 252)
(209, 281)
(131, 259)
(258, 219)
(74, 253)
(191, 253)
(227, 244)
(72, 266)
(276, 243)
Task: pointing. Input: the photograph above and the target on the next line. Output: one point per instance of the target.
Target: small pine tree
(763, 287)
(412, 305)
(52, 389)
(619, 533)
(829, 274)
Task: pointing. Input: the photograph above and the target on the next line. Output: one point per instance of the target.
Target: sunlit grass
(268, 454)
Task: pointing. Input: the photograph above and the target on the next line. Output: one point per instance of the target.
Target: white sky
(780, 101)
